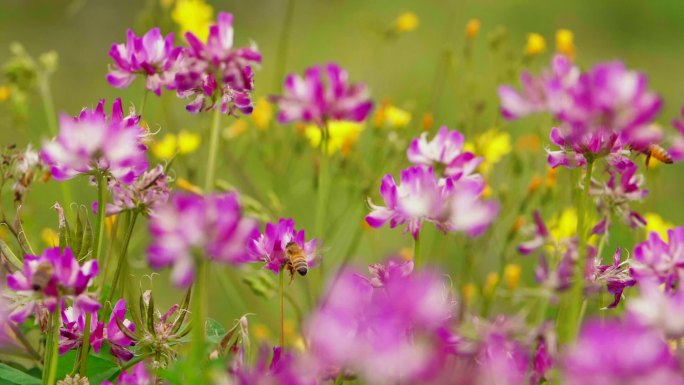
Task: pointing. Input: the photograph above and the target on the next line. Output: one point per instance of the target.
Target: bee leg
(648, 159)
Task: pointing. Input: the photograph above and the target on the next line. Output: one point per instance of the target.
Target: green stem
(339, 379)
(323, 183)
(282, 309)
(199, 317)
(143, 102)
(213, 151)
(54, 344)
(283, 44)
(569, 320)
(416, 250)
(85, 346)
(122, 258)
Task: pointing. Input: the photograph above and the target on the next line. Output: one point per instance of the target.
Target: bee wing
(314, 253)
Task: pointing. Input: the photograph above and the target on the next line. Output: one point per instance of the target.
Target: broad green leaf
(10, 375)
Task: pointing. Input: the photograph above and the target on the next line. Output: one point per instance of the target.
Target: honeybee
(657, 152)
(295, 260)
(42, 276)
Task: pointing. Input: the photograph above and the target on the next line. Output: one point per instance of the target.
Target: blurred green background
(420, 71)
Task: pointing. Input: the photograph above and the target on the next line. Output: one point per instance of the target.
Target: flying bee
(295, 260)
(42, 276)
(657, 152)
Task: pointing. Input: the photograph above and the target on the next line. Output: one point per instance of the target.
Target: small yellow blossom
(406, 22)
(110, 221)
(193, 16)
(492, 145)
(184, 143)
(655, 223)
(406, 253)
(565, 226)
(469, 292)
(261, 332)
(299, 344)
(487, 191)
(565, 42)
(235, 130)
(50, 237)
(535, 44)
(262, 114)
(512, 273)
(184, 184)
(529, 142)
(391, 116)
(472, 28)
(518, 224)
(4, 93)
(428, 121)
(535, 183)
(490, 283)
(343, 136)
(551, 177)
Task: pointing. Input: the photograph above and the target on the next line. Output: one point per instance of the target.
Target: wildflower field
(341, 191)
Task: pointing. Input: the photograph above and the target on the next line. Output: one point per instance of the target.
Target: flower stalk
(282, 308)
(52, 353)
(213, 150)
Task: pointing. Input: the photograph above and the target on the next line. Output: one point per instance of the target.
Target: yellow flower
(50, 237)
(428, 121)
(193, 16)
(4, 93)
(535, 44)
(184, 184)
(565, 42)
(261, 332)
(472, 28)
(469, 292)
(406, 22)
(391, 116)
(110, 221)
(262, 114)
(343, 136)
(565, 226)
(492, 145)
(235, 130)
(656, 223)
(490, 283)
(406, 253)
(512, 273)
(185, 143)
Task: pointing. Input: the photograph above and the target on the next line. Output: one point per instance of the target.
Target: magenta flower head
(148, 189)
(660, 260)
(283, 368)
(615, 195)
(190, 226)
(52, 275)
(216, 74)
(72, 331)
(321, 95)
(138, 375)
(444, 152)
(452, 205)
(605, 354)
(658, 309)
(151, 55)
(271, 246)
(392, 269)
(97, 142)
(382, 334)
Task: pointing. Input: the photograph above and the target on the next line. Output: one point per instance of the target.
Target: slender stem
(570, 319)
(213, 151)
(143, 102)
(54, 348)
(282, 309)
(123, 257)
(283, 44)
(85, 346)
(416, 250)
(339, 379)
(323, 183)
(199, 316)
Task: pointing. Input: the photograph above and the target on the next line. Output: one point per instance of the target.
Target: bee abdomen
(301, 266)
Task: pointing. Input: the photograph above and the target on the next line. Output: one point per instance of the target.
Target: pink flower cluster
(190, 226)
(270, 246)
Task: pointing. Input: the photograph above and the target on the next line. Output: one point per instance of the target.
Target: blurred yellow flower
(492, 145)
(428, 121)
(512, 273)
(260, 332)
(472, 28)
(535, 44)
(529, 142)
(565, 42)
(551, 177)
(655, 222)
(4, 93)
(490, 283)
(262, 114)
(565, 226)
(235, 130)
(50, 237)
(193, 16)
(184, 143)
(343, 136)
(536, 182)
(184, 184)
(406, 253)
(391, 116)
(469, 292)
(406, 22)
(166, 3)
(110, 221)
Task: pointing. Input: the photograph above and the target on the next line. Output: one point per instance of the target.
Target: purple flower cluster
(270, 246)
(52, 276)
(97, 142)
(321, 95)
(138, 375)
(382, 334)
(190, 226)
(148, 189)
(449, 203)
(151, 55)
(619, 353)
(214, 74)
(614, 198)
(444, 152)
(603, 111)
(655, 259)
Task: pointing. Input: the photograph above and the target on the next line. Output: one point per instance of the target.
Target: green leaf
(100, 366)
(11, 375)
(215, 331)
